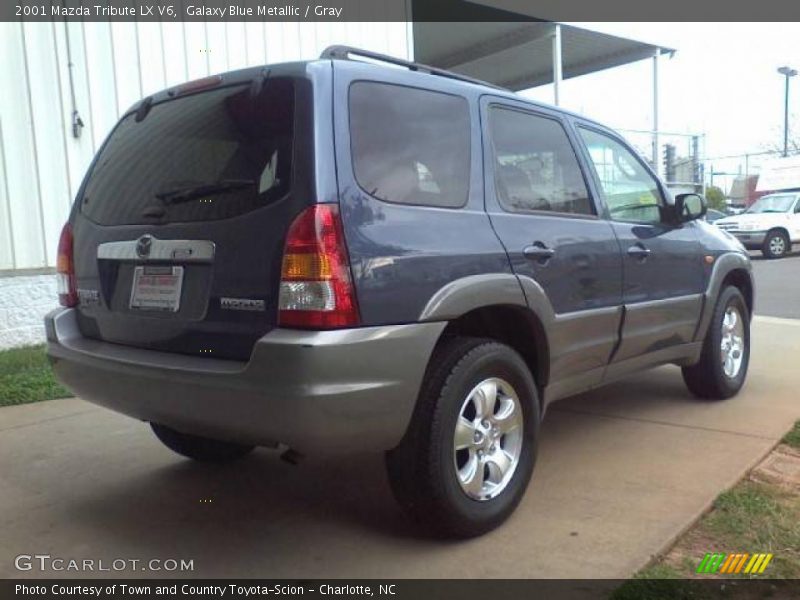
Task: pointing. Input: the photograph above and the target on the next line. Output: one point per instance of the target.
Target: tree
(715, 198)
(775, 145)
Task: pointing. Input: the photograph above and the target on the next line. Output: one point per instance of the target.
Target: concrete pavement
(622, 472)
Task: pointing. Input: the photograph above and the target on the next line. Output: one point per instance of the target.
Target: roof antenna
(77, 122)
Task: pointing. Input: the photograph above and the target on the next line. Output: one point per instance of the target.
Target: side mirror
(689, 207)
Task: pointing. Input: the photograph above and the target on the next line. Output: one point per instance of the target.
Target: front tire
(722, 368)
(467, 457)
(199, 448)
(776, 245)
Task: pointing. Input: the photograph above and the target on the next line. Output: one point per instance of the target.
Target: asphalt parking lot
(622, 472)
(778, 285)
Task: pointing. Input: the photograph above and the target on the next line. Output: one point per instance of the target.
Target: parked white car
(771, 224)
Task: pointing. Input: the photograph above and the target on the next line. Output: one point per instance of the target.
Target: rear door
(663, 278)
(408, 156)
(180, 224)
(540, 205)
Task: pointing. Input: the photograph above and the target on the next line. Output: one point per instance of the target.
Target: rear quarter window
(410, 146)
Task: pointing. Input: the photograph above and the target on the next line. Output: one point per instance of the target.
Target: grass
(793, 437)
(754, 516)
(26, 376)
(758, 517)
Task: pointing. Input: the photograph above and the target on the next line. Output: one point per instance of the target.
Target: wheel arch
(730, 268)
(495, 306)
(782, 230)
(513, 325)
(741, 279)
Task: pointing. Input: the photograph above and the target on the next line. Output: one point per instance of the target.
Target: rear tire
(466, 459)
(776, 245)
(197, 447)
(722, 368)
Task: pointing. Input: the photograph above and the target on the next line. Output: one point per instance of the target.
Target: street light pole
(786, 72)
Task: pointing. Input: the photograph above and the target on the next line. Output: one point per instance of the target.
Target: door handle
(639, 251)
(538, 252)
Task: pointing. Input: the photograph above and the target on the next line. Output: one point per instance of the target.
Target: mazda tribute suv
(340, 256)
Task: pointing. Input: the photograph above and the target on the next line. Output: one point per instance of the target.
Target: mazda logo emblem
(143, 246)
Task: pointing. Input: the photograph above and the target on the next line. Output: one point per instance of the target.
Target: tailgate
(180, 224)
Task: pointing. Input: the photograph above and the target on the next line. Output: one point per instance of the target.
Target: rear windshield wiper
(187, 193)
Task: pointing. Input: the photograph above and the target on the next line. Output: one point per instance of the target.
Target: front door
(795, 228)
(539, 203)
(662, 262)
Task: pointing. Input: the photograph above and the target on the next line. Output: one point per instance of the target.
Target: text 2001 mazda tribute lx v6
(340, 256)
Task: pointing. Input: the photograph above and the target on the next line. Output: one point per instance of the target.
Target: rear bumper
(330, 391)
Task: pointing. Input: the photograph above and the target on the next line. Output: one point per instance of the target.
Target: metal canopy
(520, 55)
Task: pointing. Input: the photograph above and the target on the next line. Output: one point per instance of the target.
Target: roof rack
(344, 53)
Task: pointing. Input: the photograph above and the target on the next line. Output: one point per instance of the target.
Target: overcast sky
(722, 81)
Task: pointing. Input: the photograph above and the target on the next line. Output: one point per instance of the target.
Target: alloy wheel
(732, 346)
(488, 439)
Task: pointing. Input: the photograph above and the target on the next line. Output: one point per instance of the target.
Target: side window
(535, 165)
(410, 146)
(631, 193)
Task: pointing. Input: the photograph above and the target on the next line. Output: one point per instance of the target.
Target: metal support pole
(557, 70)
(655, 111)
(786, 119)
(788, 73)
(409, 32)
(703, 165)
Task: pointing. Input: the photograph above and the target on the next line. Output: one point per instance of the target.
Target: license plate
(157, 288)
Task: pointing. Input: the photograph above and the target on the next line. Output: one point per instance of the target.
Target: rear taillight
(316, 287)
(65, 268)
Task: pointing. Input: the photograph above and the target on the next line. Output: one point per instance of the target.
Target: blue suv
(339, 255)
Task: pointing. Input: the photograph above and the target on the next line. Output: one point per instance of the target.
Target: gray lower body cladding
(332, 391)
(751, 240)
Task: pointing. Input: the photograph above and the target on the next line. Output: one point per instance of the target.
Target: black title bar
(463, 589)
(397, 10)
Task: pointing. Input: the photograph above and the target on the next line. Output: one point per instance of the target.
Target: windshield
(772, 204)
(211, 155)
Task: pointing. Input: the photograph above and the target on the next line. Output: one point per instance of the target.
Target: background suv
(771, 224)
(338, 256)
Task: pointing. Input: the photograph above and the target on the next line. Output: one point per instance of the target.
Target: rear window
(535, 166)
(211, 155)
(410, 146)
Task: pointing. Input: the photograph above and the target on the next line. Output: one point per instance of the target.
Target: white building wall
(24, 300)
(113, 66)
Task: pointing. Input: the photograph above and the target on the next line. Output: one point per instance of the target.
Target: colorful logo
(719, 562)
